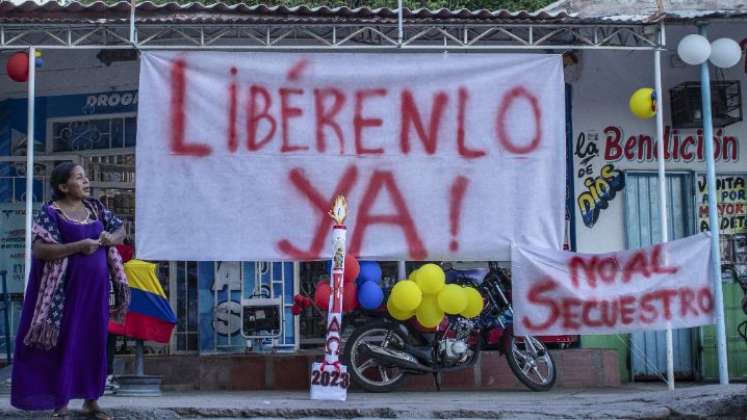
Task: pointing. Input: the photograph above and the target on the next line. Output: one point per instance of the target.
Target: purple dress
(76, 367)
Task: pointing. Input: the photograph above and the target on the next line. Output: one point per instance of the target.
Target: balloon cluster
(426, 295)
(362, 288)
(18, 65)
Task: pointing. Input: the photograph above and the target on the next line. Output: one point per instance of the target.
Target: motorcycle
(382, 351)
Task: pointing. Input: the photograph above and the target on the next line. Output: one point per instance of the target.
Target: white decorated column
(329, 379)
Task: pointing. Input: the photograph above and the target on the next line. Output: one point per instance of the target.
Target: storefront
(616, 187)
(86, 111)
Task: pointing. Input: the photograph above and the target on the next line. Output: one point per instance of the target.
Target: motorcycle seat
(475, 275)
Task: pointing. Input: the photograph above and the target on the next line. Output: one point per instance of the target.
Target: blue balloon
(370, 271)
(370, 295)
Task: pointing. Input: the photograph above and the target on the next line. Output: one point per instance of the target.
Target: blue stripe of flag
(150, 304)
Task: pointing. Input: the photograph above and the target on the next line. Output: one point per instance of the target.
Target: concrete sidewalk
(628, 402)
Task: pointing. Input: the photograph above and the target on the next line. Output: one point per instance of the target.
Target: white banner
(441, 156)
(558, 292)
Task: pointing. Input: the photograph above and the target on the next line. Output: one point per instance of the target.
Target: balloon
(406, 295)
(474, 303)
(643, 103)
(370, 271)
(352, 268)
(694, 49)
(18, 67)
(299, 300)
(370, 295)
(349, 297)
(396, 313)
(725, 53)
(430, 278)
(321, 296)
(428, 313)
(413, 276)
(452, 299)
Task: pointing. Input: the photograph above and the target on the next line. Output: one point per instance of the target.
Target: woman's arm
(47, 252)
(113, 233)
(114, 238)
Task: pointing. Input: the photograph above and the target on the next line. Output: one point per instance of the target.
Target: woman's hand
(113, 238)
(106, 239)
(89, 246)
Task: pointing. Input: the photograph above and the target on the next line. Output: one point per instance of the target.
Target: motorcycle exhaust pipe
(395, 358)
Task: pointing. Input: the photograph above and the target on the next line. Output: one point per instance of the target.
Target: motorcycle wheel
(532, 363)
(367, 372)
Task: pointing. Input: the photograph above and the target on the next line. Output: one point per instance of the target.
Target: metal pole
(139, 362)
(6, 316)
(29, 163)
(401, 270)
(133, 5)
(705, 93)
(400, 29)
(663, 187)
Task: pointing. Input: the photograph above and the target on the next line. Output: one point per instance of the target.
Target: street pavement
(634, 401)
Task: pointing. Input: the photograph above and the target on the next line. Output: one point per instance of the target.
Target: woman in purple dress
(61, 343)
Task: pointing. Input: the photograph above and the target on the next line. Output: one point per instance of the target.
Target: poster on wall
(731, 203)
(433, 151)
(12, 240)
(558, 292)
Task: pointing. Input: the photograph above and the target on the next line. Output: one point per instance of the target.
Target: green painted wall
(736, 347)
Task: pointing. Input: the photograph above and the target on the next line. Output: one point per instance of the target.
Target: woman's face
(77, 186)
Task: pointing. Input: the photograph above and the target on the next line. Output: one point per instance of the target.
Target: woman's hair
(60, 175)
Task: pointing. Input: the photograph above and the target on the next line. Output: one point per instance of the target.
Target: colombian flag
(149, 316)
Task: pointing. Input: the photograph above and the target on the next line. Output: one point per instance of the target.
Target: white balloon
(694, 49)
(725, 52)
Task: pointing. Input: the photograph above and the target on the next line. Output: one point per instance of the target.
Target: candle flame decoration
(339, 210)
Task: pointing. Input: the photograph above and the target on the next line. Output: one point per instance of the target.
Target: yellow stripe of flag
(142, 275)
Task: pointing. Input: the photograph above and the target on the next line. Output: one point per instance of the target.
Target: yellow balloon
(474, 303)
(428, 313)
(414, 277)
(642, 103)
(406, 295)
(396, 313)
(431, 279)
(452, 299)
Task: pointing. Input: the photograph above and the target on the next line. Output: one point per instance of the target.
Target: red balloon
(18, 67)
(349, 297)
(352, 269)
(321, 296)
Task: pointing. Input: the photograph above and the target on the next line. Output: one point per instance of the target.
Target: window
(93, 133)
(186, 335)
